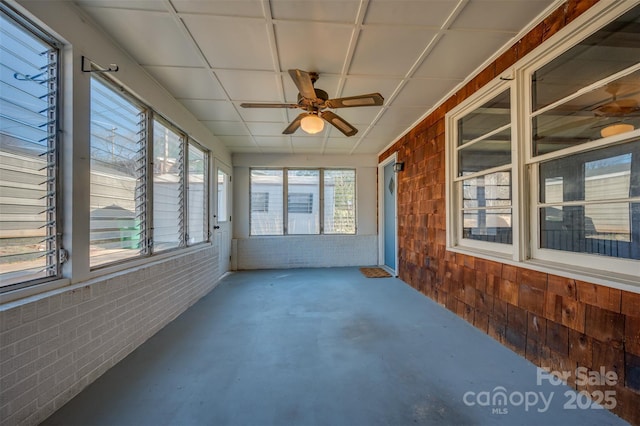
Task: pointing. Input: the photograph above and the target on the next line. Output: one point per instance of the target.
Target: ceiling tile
(211, 110)
(227, 128)
(323, 11)
(499, 15)
(245, 149)
(358, 116)
(188, 83)
(266, 129)
(341, 144)
(312, 46)
(457, 54)
(368, 148)
(124, 4)
(409, 12)
(423, 92)
(361, 85)
(385, 133)
(384, 52)
(273, 141)
(248, 50)
(400, 117)
(245, 8)
(263, 114)
(255, 86)
(136, 31)
(237, 141)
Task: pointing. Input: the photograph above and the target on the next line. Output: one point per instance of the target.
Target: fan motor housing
(320, 94)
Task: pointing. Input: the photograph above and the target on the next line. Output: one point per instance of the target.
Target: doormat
(374, 273)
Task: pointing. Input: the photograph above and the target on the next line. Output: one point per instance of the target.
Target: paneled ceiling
(213, 55)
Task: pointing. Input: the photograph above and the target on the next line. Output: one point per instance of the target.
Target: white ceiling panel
(228, 128)
(410, 12)
(237, 141)
(321, 11)
(250, 46)
(358, 116)
(265, 115)
(459, 53)
(312, 46)
(383, 52)
(489, 14)
(124, 4)
(211, 110)
(423, 92)
(271, 141)
(136, 31)
(244, 8)
(266, 129)
(357, 47)
(188, 83)
(255, 86)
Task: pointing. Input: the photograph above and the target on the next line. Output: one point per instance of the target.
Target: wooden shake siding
(553, 321)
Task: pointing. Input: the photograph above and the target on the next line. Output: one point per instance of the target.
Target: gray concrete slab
(323, 347)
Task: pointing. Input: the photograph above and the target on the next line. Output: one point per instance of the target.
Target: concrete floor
(321, 347)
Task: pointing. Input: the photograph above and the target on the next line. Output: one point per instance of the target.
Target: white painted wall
(293, 251)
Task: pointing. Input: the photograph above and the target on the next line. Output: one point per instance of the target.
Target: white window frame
(454, 220)
(604, 270)
(206, 188)
(285, 202)
(55, 255)
(607, 268)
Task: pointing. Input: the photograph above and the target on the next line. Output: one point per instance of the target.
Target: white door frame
(391, 159)
(220, 165)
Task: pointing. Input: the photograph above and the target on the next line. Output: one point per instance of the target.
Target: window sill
(608, 279)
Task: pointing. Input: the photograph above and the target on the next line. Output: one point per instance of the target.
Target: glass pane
(197, 195)
(492, 225)
(489, 117)
(167, 188)
(303, 195)
(604, 174)
(606, 111)
(115, 176)
(493, 190)
(27, 156)
(267, 214)
(611, 49)
(223, 196)
(603, 229)
(339, 201)
(491, 152)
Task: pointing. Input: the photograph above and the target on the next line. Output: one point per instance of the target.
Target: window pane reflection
(491, 116)
(492, 152)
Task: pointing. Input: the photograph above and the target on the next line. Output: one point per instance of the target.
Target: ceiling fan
(616, 108)
(315, 102)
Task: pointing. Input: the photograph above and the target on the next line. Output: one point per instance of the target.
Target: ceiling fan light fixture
(312, 124)
(616, 129)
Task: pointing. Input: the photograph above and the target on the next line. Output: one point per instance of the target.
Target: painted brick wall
(313, 251)
(553, 321)
(53, 345)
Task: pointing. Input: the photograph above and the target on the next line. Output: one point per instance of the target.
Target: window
(585, 154)
(303, 187)
(168, 192)
(482, 163)
(198, 224)
(308, 193)
(267, 204)
(223, 196)
(567, 196)
(339, 201)
(29, 233)
(118, 171)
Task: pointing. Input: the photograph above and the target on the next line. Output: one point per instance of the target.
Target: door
(222, 216)
(389, 216)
